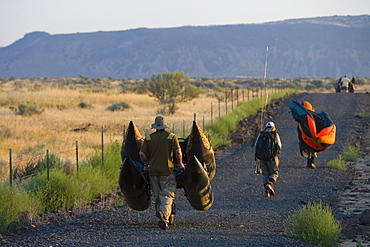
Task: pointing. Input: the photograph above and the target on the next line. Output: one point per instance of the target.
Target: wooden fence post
(102, 146)
(124, 132)
(226, 103)
(183, 128)
(77, 158)
(47, 165)
(211, 113)
(219, 108)
(232, 99)
(237, 96)
(11, 167)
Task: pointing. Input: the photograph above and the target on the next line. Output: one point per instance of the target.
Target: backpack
(265, 147)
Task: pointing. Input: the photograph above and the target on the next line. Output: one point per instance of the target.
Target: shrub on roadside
(59, 192)
(337, 163)
(112, 161)
(54, 162)
(221, 127)
(13, 204)
(314, 224)
(363, 113)
(350, 153)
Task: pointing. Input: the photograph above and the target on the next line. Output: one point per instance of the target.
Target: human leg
(273, 170)
(267, 181)
(155, 188)
(166, 196)
(311, 160)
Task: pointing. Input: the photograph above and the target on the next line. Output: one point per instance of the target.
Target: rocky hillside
(313, 47)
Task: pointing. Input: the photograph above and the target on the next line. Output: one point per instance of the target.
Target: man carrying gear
(345, 82)
(157, 156)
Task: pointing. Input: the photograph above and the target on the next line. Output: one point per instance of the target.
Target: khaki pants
(270, 169)
(163, 188)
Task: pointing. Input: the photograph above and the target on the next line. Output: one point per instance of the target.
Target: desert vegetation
(53, 113)
(349, 154)
(314, 223)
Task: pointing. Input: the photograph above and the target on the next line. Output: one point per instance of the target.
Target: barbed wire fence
(230, 98)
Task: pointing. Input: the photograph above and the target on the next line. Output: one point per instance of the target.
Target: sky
(19, 17)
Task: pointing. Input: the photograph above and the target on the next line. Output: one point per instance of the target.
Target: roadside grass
(349, 154)
(220, 128)
(337, 163)
(314, 224)
(60, 191)
(363, 113)
(14, 201)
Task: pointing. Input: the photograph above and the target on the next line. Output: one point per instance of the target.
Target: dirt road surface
(240, 215)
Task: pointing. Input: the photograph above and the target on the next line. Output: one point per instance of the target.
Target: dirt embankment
(240, 215)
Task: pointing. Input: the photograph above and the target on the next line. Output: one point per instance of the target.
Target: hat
(270, 124)
(159, 123)
(307, 105)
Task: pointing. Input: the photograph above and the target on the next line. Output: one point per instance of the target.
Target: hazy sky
(18, 17)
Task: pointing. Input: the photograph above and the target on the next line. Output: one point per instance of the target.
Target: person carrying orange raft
(316, 131)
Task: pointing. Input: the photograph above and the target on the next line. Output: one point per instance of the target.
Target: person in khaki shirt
(156, 154)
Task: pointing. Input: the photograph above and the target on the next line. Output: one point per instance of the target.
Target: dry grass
(54, 129)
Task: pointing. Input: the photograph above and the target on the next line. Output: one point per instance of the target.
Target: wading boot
(310, 162)
(161, 220)
(269, 189)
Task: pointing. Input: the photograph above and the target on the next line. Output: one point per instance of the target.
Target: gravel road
(240, 215)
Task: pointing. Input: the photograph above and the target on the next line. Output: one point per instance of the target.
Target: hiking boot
(161, 220)
(270, 189)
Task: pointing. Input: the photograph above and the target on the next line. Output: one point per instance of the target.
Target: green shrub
(35, 150)
(350, 153)
(119, 106)
(84, 104)
(13, 108)
(112, 161)
(363, 113)
(54, 163)
(314, 224)
(28, 109)
(13, 203)
(337, 163)
(62, 107)
(93, 182)
(59, 192)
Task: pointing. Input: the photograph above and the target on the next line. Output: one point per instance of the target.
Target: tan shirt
(159, 147)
